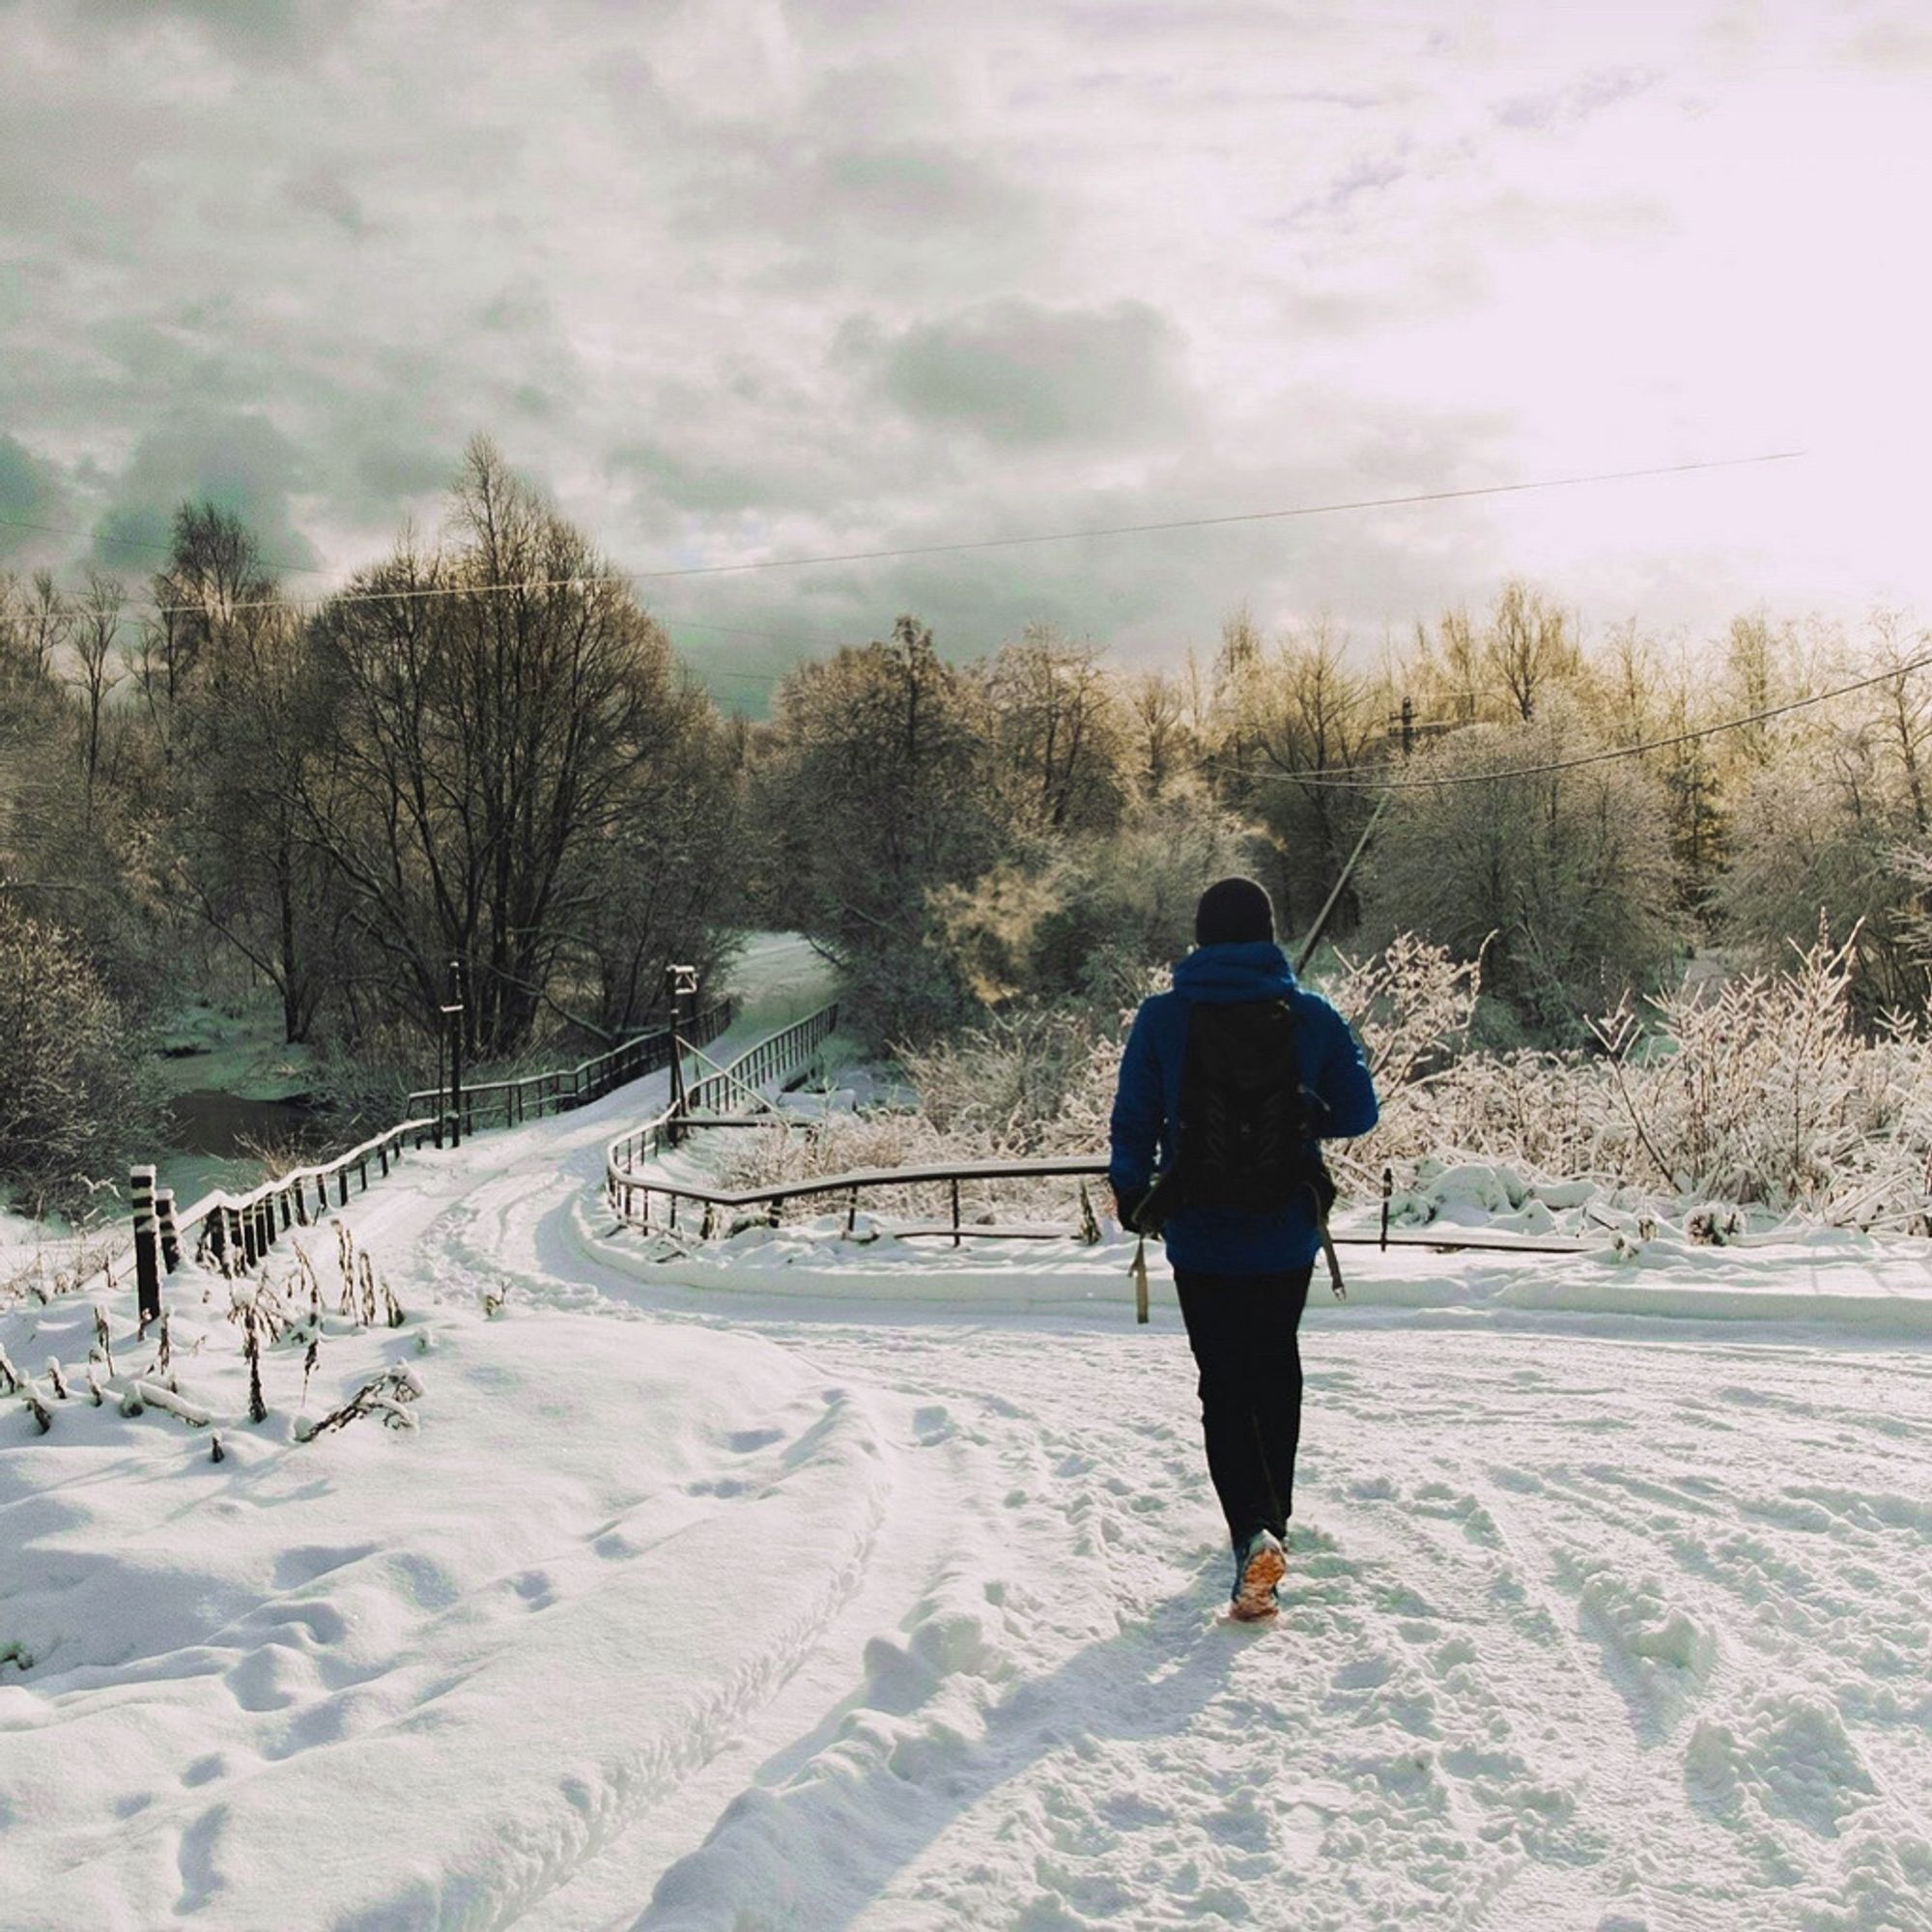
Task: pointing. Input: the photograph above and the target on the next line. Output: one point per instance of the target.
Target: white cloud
(738, 278)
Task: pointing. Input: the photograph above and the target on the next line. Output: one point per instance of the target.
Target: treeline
(1035, 825)
(480, 748)
(483, 748)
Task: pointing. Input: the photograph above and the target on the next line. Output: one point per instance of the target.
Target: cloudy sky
(743, 279)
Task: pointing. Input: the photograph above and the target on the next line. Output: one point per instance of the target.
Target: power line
(95, 535)
(430, 591)
(1340, 778)
(1236, 517)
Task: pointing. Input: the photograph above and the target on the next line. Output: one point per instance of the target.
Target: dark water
(209, 1122)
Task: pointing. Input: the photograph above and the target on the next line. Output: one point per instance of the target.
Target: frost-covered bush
(1766, 1091)
(1760, 1091)
(72, 1100)
(1036, 1080)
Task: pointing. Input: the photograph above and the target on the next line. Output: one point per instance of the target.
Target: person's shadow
(818, 1852)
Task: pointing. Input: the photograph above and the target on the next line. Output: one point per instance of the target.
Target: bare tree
(1057, 743)
(1527, 646)
(46, 623)
(1157, 723)
(96, 637)
(1906, 698)
(213, 583)
(486, 738)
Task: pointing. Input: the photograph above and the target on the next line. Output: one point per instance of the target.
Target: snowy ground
(765, 1594)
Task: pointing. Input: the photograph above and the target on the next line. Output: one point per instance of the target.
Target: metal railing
(240, 1229)
(632, 1192)
(235, 1231)
(532, 1096)
(951, 1219)
(777, 1057)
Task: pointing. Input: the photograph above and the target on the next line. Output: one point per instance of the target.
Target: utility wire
(1343, 778)
(429, 592)
(150, 543)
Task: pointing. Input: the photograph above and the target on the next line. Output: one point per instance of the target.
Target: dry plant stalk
(251, 1343)
(390, 1396)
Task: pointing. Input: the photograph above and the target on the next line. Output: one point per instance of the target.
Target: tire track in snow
(1439, 1728)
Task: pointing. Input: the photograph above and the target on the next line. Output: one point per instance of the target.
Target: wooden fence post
(147, 1243)
(164, 1215)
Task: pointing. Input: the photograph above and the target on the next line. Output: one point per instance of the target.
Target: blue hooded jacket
(1341, 1102)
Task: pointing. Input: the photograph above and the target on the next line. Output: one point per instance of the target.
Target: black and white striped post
(164, 1215)
(147, 1243)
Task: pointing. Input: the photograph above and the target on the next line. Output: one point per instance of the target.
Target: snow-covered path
(689, 1609)
(1577, 1632)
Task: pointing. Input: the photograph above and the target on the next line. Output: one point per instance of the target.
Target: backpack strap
(1340, 1292)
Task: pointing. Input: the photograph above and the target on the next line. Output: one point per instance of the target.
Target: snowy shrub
(71, 1101)
(1768, 1092)
(1759, 1093)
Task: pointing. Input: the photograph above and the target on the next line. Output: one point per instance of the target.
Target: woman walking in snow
(1227, 1085)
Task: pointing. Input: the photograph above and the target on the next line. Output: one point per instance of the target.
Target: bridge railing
(717, 1095)
(531, 1097)
(234, 1230)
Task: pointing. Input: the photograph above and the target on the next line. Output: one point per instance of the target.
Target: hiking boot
(1259, 1566)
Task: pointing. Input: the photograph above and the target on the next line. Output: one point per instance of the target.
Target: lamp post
(680, 985)
(453, 1012)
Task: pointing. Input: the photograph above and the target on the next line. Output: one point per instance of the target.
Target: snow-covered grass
(234, 1046)
(43, 1258)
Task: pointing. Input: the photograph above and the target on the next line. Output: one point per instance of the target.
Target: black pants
(1242, 1330)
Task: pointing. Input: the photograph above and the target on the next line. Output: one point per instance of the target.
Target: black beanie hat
(1232, 911)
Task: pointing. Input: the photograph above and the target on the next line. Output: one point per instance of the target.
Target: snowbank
(502, 1631)
(1827, 1279)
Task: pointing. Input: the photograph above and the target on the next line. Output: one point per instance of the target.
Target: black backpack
(1246, 1140)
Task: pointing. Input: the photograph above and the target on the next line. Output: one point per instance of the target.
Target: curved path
(691, 1610)
(1589, 1631)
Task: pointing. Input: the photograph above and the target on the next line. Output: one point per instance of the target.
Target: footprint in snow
(535, 1588)
(200, 1875)
(303, 1565)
